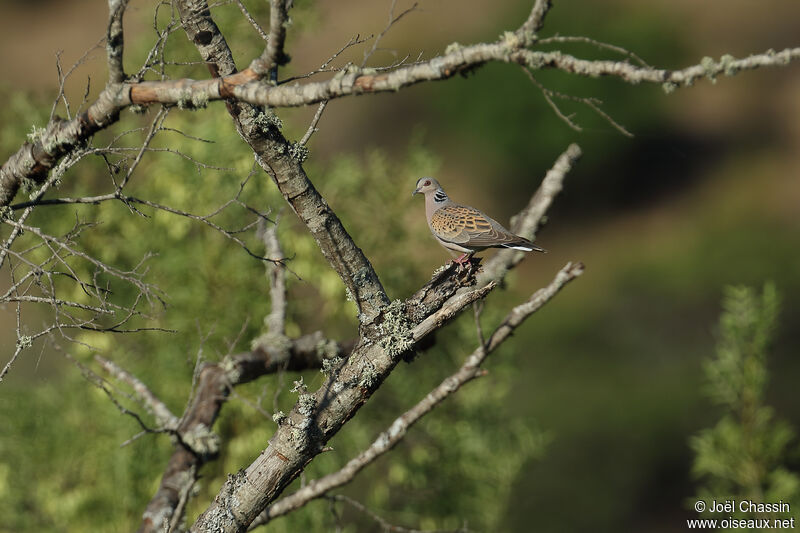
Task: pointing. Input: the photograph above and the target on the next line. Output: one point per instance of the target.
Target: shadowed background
(584, 420)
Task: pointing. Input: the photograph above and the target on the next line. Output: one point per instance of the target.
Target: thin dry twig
(391, 22)
(312, 128)
(594, 42)
(153, 404)
(252, 21)
(592, 103)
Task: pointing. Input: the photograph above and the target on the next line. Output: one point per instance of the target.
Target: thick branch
(33, 161)
(398, 429)
(318, 416)
(355, 81)
(198, 444)
(283, 161)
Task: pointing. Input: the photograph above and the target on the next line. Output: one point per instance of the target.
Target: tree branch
(33, 161)
(527, 221)
(353, 80)
(276, 319)
(384, 340)
(399, 428)
(114, 40)
(273, 55)
(283, 162)
(153, 404)
(198, 444)
(318, 416)
(535, 19)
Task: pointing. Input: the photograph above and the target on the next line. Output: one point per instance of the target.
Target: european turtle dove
(465, 229)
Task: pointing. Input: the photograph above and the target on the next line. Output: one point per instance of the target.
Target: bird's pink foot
(463, 260)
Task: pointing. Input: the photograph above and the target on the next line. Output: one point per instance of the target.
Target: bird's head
(426, 186)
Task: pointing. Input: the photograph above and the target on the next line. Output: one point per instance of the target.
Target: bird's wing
(466, 225)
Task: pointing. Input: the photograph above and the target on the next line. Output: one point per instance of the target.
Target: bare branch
(355, 81)
(252, 21)
(392, 21)
(527, 221)
(671, 79)
(521, 312)
(312, 128)
(454, 306)
(592, 103)
(153, 404)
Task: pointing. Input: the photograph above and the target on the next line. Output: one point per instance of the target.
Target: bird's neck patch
(439, 196)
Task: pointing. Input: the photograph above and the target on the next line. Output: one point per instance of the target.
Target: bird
(464, 229)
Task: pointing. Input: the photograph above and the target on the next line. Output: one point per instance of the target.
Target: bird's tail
(524, 245)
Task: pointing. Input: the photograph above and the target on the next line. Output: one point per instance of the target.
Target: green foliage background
(589, 408)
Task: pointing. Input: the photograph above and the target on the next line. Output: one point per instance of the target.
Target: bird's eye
(427, 182)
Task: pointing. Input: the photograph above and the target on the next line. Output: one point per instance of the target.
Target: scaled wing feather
(468, 226)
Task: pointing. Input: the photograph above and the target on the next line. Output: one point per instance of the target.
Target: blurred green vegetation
(582, 423)
(742, 458)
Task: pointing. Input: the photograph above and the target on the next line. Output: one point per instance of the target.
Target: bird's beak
(415, 192)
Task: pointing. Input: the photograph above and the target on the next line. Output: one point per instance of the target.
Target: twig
(392, 21)
(592, 103)
(153, 404)
(183, 499)
(325, 66)
(252, 21)
(312, 128)
(63, 77)
(100, 383)
(599, 44)
(547, 93)
(477, 308)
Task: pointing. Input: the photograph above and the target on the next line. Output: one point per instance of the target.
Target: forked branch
(399, 428)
